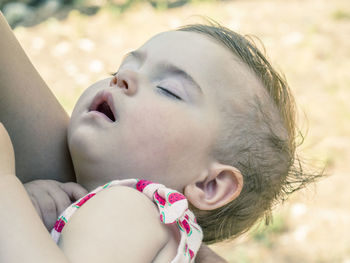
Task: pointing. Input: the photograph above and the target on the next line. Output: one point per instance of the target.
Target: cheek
(165, 134)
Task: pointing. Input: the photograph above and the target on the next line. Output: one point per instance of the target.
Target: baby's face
(165, 112)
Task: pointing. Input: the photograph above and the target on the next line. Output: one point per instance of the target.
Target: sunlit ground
(308, 40)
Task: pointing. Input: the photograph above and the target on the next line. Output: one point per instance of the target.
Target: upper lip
(101, 97)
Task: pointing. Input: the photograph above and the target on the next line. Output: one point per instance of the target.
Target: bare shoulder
(119, 224)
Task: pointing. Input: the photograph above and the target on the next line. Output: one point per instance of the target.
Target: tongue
(105, 109)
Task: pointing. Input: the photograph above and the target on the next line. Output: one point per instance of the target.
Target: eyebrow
(165, 67)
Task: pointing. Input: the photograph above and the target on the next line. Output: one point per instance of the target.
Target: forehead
(170, 44)
(216, 69)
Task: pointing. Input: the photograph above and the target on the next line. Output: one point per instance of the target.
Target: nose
(125, 80)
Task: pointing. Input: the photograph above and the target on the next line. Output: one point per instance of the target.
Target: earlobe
(222, 185)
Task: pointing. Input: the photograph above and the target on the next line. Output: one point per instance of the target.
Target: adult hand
(50, 198)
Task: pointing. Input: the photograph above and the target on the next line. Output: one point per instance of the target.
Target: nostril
(125, 84)
(113, 81)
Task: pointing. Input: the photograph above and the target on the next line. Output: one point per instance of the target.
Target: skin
(39, 136)
(37, 125)
(206, 176)
(25, 239)
(50, 198)
(158, 136)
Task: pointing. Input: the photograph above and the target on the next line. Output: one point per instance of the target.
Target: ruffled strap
(173, 208)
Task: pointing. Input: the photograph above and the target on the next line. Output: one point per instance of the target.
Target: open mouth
(106, 110)
(103, 103)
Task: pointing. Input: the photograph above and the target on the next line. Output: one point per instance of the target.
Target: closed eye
(168, 93)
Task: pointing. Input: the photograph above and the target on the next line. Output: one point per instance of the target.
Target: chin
(83, 145)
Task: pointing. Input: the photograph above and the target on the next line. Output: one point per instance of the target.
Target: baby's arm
(35, 120)
(118, 225)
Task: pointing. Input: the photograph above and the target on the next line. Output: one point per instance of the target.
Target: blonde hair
(262, 145)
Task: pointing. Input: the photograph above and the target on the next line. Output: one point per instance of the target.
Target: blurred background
(74, 43)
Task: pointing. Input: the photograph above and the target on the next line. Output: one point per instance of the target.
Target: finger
(48, 211)
(60, 197)
(74, 190)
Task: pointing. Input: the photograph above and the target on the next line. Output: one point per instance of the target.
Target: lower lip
(100, 114)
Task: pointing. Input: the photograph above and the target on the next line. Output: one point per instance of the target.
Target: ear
(221, 184)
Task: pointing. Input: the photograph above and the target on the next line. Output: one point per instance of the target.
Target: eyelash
(114, 74)
(168, 93)
(165, 91)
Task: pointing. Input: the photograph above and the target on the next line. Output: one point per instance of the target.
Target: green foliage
(341, 15)
(267, 234)
(113, 9)
(160, 4)
(119, 6)
(241, 256)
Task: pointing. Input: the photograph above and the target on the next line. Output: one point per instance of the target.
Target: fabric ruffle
(173, 209)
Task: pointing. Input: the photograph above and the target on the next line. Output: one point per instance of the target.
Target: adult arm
(23, 236)
(206, 255)
(35, 120)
